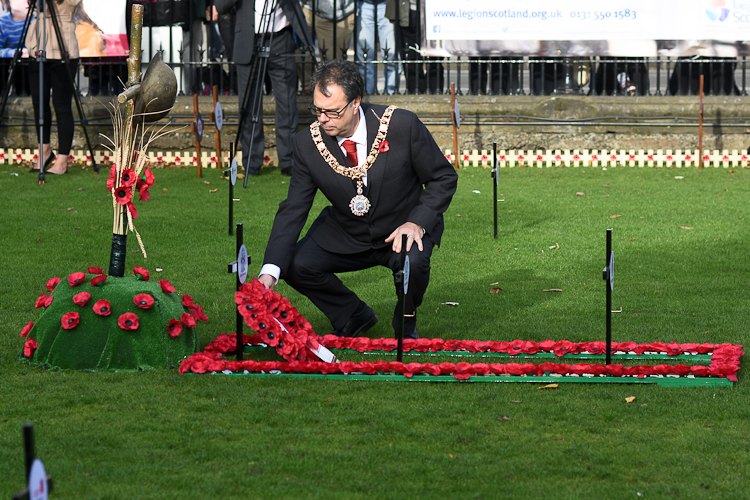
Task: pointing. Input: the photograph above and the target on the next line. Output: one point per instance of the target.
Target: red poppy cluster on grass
(279, 324)
(127, 321)
(725, 360)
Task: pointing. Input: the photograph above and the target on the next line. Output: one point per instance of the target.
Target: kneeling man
(384, 176)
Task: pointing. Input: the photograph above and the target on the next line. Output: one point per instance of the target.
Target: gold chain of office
(354, 172)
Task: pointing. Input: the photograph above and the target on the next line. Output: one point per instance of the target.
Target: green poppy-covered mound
(97, 322)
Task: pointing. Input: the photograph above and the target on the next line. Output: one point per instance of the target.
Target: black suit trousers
(283, 74)
(312, 273)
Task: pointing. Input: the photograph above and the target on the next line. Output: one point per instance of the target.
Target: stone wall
(514, 122)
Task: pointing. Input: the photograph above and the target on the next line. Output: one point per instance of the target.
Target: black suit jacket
(244, 26)
(411, 182)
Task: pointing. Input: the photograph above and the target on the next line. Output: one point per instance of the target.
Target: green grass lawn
(680, 275)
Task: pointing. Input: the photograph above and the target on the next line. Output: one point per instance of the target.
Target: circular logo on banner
(233, 172)
(242, 264)
(38, 489)
(406, 275)
(611, 270)
(199, 127)
(218, 115)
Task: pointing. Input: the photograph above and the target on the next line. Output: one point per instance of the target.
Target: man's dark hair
(343, 73)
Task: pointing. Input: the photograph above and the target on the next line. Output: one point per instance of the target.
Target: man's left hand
(413, 234)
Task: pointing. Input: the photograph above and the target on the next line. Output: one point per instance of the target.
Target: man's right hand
(268, 281)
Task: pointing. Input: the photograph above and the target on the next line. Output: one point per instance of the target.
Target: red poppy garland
(279, 325)
(725, 362)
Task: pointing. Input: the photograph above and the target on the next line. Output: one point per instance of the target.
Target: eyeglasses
(330, 114)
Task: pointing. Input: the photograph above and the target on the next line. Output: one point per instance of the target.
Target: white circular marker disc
(611, 270)
(218, 115)
(38, 487)
(406, 275)
(458, 115)
(199, 127)
(233, 172)
(242, 264)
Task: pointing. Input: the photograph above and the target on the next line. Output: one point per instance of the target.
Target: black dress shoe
(362, 320)
(253, 171)
(286, 171)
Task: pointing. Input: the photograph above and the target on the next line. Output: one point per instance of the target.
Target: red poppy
(148, 177)
(98, 279)
(143, 193)
(187, 320)
(41, 300)
(131, 208)
(52, 283)
(187, 301)
(166, 286)
(127, 178)
(95, 270)
(70, 320)
(198, 314)
(48, 301)
(75, 279)
(81, 298)
(123, 195)
(102, 307)
(128, 321)
(143, 300)
(383, 147)
(141, 273)
(27, 329)
(174, 328)
(29, 347)
(110, 184)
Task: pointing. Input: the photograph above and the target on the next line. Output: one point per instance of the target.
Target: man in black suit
(286, 17)
(384, 176)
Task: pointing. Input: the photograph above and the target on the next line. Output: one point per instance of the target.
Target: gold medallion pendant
(359, 205)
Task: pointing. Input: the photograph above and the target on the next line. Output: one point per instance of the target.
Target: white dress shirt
(276, 23)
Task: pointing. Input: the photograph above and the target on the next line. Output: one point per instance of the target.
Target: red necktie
(351, 152)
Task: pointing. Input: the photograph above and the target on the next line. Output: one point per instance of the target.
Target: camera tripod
(41, 56)
(251, 105)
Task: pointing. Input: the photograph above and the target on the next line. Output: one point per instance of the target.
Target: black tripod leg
(16, 58)
(256, 78)
(71, 80)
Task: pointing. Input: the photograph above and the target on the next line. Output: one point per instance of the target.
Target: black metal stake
(495, 179)
(28, 448)
(231, 188)
(608, 282)
(240, 343)
(400, 280)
